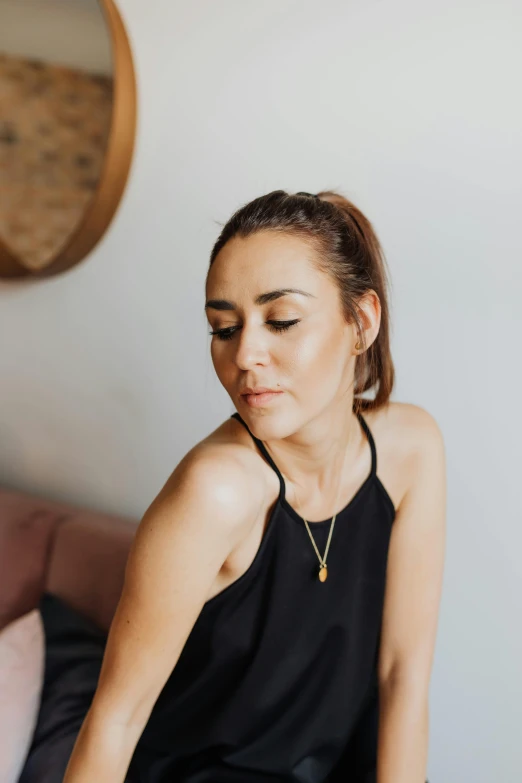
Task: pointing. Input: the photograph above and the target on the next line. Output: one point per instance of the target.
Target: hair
(346, 248)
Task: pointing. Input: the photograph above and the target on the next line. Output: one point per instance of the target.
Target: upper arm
(180, 545)
(416, 561)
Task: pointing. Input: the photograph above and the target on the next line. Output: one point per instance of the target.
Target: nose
(252, 348)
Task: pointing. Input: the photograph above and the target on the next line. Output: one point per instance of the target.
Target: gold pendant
(323, 573)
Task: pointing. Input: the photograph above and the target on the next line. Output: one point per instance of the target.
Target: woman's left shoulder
(409, 440)
(411, 427)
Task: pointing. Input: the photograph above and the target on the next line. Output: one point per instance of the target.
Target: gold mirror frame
(116, 164)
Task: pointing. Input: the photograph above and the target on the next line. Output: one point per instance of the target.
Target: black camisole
(277, 681)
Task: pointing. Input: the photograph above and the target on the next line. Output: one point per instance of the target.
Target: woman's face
(311, 363)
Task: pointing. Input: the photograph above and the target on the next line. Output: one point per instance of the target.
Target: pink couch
(73, 553)
(77, 556)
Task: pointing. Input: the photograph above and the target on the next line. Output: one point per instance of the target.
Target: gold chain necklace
(323, 568)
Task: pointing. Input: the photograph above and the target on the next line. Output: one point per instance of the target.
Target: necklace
(323, 568)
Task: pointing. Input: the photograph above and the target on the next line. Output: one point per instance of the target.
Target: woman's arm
(411, 607)
(184, 538)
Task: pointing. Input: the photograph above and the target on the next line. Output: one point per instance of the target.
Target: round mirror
(67, 125)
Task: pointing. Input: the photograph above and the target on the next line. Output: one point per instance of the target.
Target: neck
(317, 460)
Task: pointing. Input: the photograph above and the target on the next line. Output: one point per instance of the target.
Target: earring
(358, 346)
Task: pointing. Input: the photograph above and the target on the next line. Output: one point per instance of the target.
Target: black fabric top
(74, 650)
(277, 681)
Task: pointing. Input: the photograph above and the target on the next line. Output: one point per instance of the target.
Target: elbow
(126, 725)
(409, 680)
(122, 711)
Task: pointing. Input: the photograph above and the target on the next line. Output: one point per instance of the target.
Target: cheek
(314, 353)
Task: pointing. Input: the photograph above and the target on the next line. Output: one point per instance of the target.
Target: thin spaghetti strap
(238, 418)
(263, 449)
(271, 462)
(371, 441)
(261, 446)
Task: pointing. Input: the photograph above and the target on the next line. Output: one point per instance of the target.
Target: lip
(256, 389)
(260, 399)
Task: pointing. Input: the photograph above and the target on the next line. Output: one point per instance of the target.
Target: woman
(279, 612)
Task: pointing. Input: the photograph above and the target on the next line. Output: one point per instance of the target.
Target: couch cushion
(87, 566)
(21, 679)
(27, 527)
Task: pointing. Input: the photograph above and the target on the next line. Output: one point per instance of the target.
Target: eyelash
(277, 326)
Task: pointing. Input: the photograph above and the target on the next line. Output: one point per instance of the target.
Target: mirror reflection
(56, 95)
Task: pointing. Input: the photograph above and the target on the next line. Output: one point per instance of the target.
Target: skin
(202, 531)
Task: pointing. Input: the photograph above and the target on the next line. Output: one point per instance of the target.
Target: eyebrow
(269, 296)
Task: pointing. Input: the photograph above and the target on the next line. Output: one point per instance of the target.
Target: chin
(269, 425)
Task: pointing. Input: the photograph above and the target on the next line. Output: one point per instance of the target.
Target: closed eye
(276, 326)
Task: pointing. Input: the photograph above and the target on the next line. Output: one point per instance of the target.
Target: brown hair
(347, 249)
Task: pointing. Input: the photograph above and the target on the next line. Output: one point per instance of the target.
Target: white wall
(62, 32)
(413, 110)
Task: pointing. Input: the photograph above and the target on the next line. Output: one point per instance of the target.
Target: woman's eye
(276, 326)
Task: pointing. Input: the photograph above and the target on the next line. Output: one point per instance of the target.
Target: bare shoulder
(411, 424)
(406, 436)
(220, 468)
